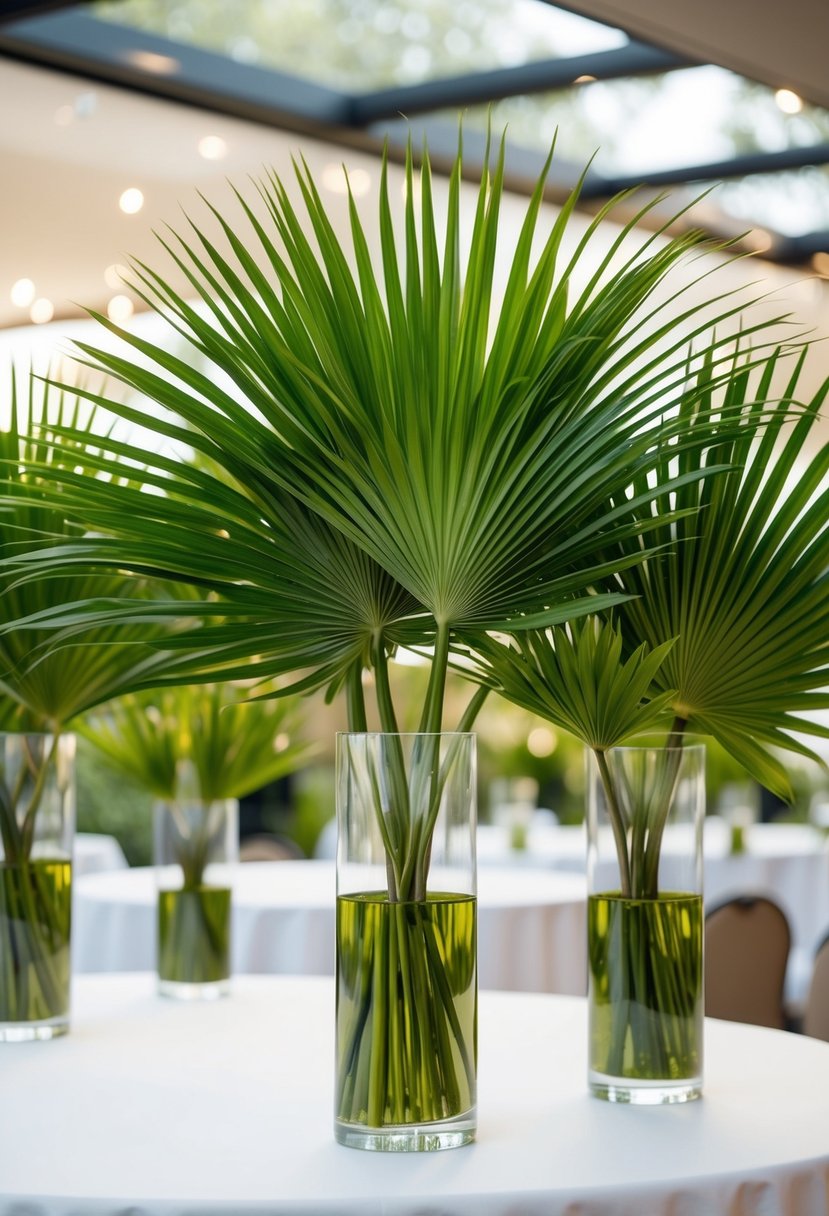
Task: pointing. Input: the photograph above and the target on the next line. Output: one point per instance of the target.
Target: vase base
(644, 1093)
(29, 1032)
(211, 990)
(408, 1138)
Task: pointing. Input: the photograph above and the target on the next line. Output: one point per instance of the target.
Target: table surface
(93, 852)
(227, 1107)
(531, 925)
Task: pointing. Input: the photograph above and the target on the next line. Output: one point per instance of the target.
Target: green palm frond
(458, 473)
(744, 588)
(52, 684)
(575, 677)
(235, 745)
(381, 409)
(272, 582)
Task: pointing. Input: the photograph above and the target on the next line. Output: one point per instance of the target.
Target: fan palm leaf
(745, 587)
(480, 477)
(273, 582)
(577, 677)
(51, 685)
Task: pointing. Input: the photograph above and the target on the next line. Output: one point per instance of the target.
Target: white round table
(531, 926)
(787, 861)
(173, 1109)
(93, 853)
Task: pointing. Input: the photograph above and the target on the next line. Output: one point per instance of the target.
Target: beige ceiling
(780, 44)
(59, 216)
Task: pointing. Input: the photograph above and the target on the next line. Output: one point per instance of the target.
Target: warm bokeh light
(820, 261)
(541, 741)
(42, 311)
(788, 101)
(151, 61)
(120, 309)
(131, 201)
(337, 179)
(212, 147)
(114, 275)
(22, 293)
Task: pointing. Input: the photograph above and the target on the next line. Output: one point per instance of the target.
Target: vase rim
(405, 734)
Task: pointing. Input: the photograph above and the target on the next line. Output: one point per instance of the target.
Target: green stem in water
(397, 832)
(617, 821)
(40, 772)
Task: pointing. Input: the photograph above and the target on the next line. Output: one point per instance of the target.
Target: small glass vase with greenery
(196, 751)
(398, 450)
(723, 633)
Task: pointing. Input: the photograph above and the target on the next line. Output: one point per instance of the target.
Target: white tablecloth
(531, 926)
(789, 862)
(92, 853)
(158, 1108)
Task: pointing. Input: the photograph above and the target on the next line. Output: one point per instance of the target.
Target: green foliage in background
(111, 803)
(43, 687)
(232, 745)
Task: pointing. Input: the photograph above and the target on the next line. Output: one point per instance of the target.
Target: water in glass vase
(194, 941)
(406, 1021)
(645, 997)
(35, 920)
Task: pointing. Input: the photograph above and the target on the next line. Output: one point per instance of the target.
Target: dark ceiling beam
(101, 50)
(542, 76)
(597, 186)
(16, 10)
(792, 250)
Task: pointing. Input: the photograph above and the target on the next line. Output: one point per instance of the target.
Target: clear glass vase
(194, 844)
(37, 825)
(646, 807)
(406, 956)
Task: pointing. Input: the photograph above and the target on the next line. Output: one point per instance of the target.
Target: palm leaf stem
(356, 701)
(617, 821)
(663, 798)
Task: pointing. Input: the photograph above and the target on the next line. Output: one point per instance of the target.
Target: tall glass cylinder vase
(194, 844)
(646, 807)
(407, 993)
(37, 824)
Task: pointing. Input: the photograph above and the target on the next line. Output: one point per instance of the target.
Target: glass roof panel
(361, 45)
(693, 116)
(790, 203)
